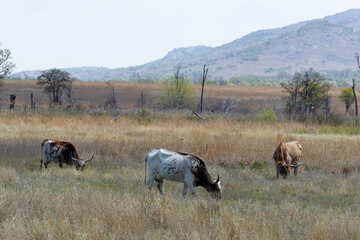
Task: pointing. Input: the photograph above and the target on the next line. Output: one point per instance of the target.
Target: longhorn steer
(180, 167)
(287, 155)
(61, 152)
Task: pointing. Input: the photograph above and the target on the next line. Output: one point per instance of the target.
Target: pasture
(108, 200)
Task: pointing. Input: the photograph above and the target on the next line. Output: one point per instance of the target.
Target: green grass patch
(339, 130)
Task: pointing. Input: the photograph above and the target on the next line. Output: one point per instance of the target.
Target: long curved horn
(88, 160)
(297, 165)
(218, 179)
(282, 164)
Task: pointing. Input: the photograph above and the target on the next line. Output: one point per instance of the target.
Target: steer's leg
(41, 161)
(44, 159)
(191, 187)
(189, 180)
(277, 170)
(61, 161)
(160, 186)
(150, 181)
(185, 189)
(295, 171)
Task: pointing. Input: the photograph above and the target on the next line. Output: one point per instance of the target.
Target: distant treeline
(335, 78)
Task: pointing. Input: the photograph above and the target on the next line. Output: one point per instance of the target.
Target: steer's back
(164, 164)
(290, 151)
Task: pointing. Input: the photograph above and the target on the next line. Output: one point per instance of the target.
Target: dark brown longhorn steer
(61, 152)
(287, 155)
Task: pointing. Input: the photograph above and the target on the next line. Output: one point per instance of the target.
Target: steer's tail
(145, 169)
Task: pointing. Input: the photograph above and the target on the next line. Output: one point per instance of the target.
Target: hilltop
(326, 44)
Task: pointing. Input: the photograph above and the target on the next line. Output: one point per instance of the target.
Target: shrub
(267, 115)
(144, 116)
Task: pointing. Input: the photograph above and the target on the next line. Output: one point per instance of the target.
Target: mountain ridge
(326, 44)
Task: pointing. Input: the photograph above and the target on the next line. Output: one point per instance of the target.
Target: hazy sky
(44, 34)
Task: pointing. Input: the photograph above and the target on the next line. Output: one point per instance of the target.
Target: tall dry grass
(109, 200)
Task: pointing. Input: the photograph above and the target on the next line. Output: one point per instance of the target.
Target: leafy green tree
(313, 90)
(347, 96)
(54, 82)
(179, 94)
(308, 92)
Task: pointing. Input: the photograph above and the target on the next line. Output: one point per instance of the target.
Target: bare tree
(6, 66)
(54, 82)
(111, 100)
(353, 88)
(68, 90)
(355, 99)
(202, 85)
(292, 87)
(178, 92)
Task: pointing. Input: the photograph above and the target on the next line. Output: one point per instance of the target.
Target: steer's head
(80, 163)
(215, 188)
(284, 168)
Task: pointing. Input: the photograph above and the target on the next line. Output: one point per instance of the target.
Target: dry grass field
(109, 200)
(89, 95)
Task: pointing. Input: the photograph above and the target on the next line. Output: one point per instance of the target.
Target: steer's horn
(88, 160)
(281, 164)
(297, 165)
(218, 179)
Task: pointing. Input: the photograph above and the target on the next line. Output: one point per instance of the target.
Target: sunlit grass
(108, 200)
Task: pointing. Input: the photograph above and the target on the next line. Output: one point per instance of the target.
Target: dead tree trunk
(202, 86)
(111, 100)
(356, 105)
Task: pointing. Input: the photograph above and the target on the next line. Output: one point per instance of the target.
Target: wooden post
(32, 101)
(356, 105)
(327, 108)
(12, 100)
(202, 85)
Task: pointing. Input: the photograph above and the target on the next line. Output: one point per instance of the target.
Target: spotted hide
(287, 155)
(61, 152)
(180, 167)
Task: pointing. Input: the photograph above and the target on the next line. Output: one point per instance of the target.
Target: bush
(267, 115)
(144, 116)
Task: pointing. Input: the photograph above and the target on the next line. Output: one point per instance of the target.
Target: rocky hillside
(325, 44)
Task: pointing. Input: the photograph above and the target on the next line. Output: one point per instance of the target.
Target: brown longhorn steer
(61, 152)
(287, 155)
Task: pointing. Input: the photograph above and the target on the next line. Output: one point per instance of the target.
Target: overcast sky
(45, 34)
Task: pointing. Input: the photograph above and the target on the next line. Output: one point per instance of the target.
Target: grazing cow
(180, 167)
(286, 155)
(61, 152)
